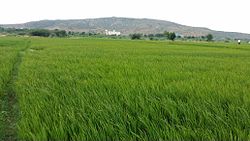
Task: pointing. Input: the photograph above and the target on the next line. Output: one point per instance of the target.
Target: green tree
(136, 36)
(170, 35)
(209, 37)
(1, 29)
(60, 33)
(40, 32)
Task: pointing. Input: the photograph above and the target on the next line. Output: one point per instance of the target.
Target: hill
(127, 26)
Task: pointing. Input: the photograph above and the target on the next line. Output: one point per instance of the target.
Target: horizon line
(67, 19)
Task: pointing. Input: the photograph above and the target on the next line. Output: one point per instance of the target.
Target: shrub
(136, 36)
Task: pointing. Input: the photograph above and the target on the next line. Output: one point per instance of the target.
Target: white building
(112, 33)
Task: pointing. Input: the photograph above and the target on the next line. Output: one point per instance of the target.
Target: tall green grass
(8, 51)
(96, 89)
(9, 48)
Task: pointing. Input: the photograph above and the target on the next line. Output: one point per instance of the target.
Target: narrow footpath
(10, 103)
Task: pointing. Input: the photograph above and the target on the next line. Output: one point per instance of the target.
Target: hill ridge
(127, 26)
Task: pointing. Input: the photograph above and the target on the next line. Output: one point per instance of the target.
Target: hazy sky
(226, 15)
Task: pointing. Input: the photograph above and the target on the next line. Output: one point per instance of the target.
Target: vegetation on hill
(128, 26)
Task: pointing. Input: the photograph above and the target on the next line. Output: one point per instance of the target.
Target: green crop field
(9, 58)
(103, 89)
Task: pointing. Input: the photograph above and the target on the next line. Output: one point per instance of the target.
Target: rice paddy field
(103, 89)
(9, 50)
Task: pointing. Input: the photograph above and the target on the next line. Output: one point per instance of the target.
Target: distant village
(112, 33)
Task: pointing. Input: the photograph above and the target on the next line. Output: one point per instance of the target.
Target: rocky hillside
(127, 26)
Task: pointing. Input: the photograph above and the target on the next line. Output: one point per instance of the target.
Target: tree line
(35, 32)
(166, 35)
(45, 32)
(136, 36)
(169, 36)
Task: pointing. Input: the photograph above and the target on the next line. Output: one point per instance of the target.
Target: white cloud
(227, 15)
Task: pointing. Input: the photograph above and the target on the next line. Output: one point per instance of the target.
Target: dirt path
(10, 107)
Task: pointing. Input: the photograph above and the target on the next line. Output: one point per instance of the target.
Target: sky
(222, 15)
